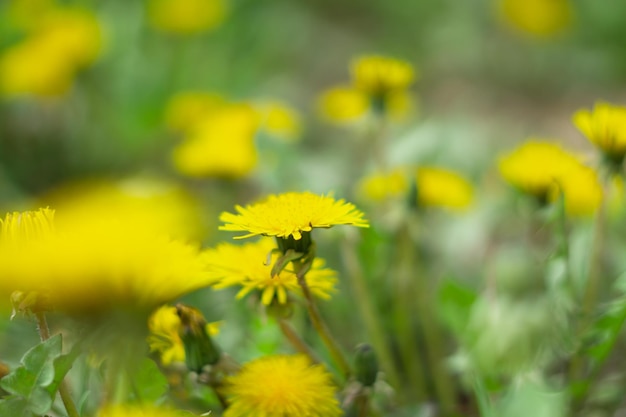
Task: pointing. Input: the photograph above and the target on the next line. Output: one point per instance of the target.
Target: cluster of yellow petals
(140, 411)
(438, 187)
(59, 43)
(291, 214)
(280, 386)
(97, 261)
(605, 127)
(280, 120)
(247, 266)
(186, 17)
(187, 109)
(379, 84)
(164, 338)
(544, 170)
(538, 18)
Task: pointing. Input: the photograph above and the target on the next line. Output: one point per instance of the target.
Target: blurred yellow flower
(246, 266)
(186, 17)
(97, 261)
(382, 186)
(290, 214)
(19, 228)
(187, 109)
(282, 386)
(140, 411)
(280, 120)
(378, 75)
(540, 18)
(165, 325)
(344, 104)
(442, 188)
(605, 127)
(45, 62)
(544, 169)
(221, 146)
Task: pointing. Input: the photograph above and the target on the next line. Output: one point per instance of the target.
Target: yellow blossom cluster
(605, 127)
(546, 171)
(538, 18)
(379, 85)
(186, 17)
(57, 44)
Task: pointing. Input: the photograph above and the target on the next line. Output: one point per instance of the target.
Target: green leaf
(454, 303)
(15, 407)
(149, 382)
(605, 331)
(62, 365)
(533, 398)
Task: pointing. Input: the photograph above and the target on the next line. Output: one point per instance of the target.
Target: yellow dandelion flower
(221, 146)
(540, 18)
(19, 227)
(96, 262)
(344, 104)
(186, 17)
(535, 166)
(290, 215)
(246, 266)
(605, 127)
(186, 110)
(282, 386)
(382, 186)
(45, 63)
(164, 339)
(442, 188)
(379, 75)
(582, 191)
(140, 411)
(399, 104)
(280, 120)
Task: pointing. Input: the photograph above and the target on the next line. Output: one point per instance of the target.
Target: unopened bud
(200, 350)
(365, 365)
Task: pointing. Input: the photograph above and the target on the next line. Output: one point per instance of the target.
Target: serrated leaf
(62, 365)
(19, 382)
(40, 360)
(15, 407)
(40, 400)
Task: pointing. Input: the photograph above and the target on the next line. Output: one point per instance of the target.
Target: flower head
(280, 120)
(605, 127)
(290, 214)
(188, 109)
(539, 18)
(344, 104)
(164, 325)
(382, 186)
(442, 188)
(246, 266)
(139, 411)
(222, 145)
(379, 75)
(281, 386)
(186, 17)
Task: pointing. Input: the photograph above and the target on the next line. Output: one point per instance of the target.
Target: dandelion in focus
(282, 385)
(605, 127)
(186, 17)
(438, 187)
(539, 18)
(246, 266)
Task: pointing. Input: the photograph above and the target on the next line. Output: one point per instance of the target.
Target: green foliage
(34, 384)
(149, 383)
(455, 303)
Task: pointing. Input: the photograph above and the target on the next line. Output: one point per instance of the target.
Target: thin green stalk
(318, 323)
(296, 341)
(482, 398)
(370, 316)
(64, 391)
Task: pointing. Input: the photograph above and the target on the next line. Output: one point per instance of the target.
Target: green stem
(64, 391)
(317, 321)
(482, 397)
(368, 312)
(296, 341)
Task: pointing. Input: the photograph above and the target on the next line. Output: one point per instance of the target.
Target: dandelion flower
(221, 146)
(582, 191)
(280, 120)
(442, 188)
(290, 215)
(246, 266)
(281, 386)
(540, 18)
(344, 104)
(187, 109)
(140, 411)
(382, 186)
(605, 127)
(186, 17)
(379, 75)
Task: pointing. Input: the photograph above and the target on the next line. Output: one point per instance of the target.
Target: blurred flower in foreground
(289, 215)
(605, 127)
(47, 60)
(442, 188)
(222, 145)
(282, 385)
(540, 18)
(186, 17)
(544, 170)
(379, 86)
(246, 266)
(140, 411)
(96, 262)
(187, 109)
(280, 120)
